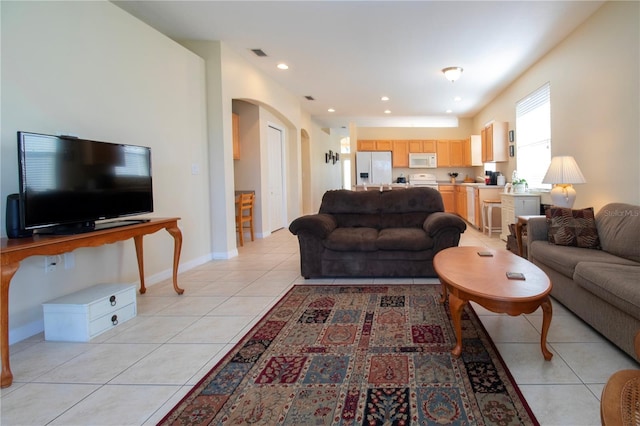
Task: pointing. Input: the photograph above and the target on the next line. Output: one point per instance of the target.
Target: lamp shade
(563, 169)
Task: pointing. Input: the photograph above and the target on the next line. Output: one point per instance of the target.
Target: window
(533, 126)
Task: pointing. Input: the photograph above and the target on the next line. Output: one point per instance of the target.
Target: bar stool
(487, 216)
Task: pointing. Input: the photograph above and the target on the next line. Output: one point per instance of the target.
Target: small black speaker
(13, 218)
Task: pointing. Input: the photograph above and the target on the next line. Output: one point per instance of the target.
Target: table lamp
(562, 173)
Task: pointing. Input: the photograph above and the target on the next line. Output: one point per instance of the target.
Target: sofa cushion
(352, 239)
(410, 239)
(575, 228)
(619, 285)
(619, 228)
(564, 259)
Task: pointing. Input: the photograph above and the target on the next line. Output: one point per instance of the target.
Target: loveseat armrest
(537, 229)
(319, 225)
(438, 221)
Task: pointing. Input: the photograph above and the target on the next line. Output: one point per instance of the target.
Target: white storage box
(81, 316)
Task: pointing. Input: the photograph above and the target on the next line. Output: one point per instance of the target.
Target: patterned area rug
(358, 355)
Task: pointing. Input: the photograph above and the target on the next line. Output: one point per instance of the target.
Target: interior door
(275, 149)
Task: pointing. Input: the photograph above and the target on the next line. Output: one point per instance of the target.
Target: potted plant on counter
(453, 176)
(519, 186)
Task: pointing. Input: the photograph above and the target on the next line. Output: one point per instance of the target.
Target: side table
(521, 223)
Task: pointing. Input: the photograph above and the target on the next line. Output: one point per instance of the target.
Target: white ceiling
(348, 54)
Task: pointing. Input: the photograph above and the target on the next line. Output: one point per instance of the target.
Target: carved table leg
(139, 254)
(455, 306)
(177, 246)
(547, 312)
(7, 273)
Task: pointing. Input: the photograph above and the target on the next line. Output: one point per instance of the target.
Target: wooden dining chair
(244, 214)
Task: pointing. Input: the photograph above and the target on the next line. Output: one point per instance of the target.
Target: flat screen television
(68, 183)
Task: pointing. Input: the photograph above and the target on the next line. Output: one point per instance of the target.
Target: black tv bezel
(76, 225)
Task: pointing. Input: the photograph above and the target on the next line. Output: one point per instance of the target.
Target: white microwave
(423, 160)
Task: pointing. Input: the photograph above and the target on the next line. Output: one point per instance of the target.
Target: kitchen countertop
(474, 184)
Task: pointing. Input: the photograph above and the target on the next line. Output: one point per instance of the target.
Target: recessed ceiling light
(387, 111)
(384, 98)
(283, 66)
(449, 111)
(331, 110)
(457, 98)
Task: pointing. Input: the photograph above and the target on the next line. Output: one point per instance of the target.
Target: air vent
(309, 98)
(258, 52)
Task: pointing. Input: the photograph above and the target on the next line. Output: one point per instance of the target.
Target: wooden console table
(13, 251)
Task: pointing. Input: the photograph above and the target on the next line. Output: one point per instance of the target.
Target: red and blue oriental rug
(358, 355)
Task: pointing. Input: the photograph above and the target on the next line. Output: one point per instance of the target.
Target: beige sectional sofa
(601, 286)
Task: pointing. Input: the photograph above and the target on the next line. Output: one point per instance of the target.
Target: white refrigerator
(373, 168)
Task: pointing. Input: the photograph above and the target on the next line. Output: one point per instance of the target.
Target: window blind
(533, 127)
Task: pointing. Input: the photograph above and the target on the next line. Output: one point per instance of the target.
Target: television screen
(75, 182)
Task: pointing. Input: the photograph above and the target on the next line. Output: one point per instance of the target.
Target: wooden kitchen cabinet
(450, 153)
(466, 152)
(400, 154)
(495, 143)
(235, 129)
(374, 145)
(461, 201)
(444, 155)
(448, 197)
(422, 146)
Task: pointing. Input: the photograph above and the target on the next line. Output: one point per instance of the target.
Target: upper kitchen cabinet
(428, 146)
(374, 145)
(494, 143)
(451, 153)
(400, 153)
(235, 130)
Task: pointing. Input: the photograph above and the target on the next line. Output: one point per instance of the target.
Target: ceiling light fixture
(283, 66)
(452, 73)
(387, 111)
(331, 110)
(457, 98)
(384, 98)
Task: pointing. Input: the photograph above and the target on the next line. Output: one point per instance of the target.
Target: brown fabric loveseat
(601, 285)
(376, 234)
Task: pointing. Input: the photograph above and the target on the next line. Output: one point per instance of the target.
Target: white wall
(595, 84)
(91, 69)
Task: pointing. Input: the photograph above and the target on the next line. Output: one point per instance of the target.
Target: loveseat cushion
(352, 239)
(564, 258)
(411, 239)
(618, 228)
(619, 285)
(370, 239)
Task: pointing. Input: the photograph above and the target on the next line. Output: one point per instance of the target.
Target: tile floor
(135, 373)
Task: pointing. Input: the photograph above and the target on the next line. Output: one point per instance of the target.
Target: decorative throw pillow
(576, 228)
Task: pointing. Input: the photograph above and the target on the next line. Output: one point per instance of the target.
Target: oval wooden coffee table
(467, 276)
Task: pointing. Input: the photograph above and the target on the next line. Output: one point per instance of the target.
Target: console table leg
(177, 246)
(455, 306)
(6, 378)
(139, 254)
(547, 311)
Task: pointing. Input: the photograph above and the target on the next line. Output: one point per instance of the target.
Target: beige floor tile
(40, 403)
(193, 305)
(42, 358)
(168, 365)
(528, 366)
(562, 405)
(117, 405)
(507, 329)
(213, 329)
(594, 362)
(249, 305)
(155, 418)
(99, 364)
(156, 329)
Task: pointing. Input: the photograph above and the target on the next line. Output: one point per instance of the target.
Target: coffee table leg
(547, 312)
(455, 306)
